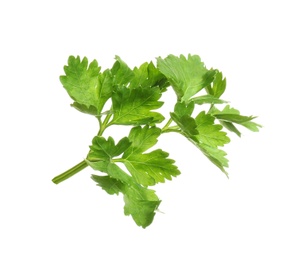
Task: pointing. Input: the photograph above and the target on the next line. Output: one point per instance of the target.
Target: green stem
(167, 125)
(69, 173)
(104, 125)
(167, 128)
(211, 107)
(174, 129)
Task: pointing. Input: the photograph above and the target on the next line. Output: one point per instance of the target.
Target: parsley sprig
(134, 96)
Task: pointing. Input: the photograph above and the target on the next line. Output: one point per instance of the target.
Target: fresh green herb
(134, 96)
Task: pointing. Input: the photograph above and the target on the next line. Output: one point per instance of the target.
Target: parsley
(134, 95)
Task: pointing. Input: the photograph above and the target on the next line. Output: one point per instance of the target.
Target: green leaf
(151, 168)
(234, 118)
(187, 76)
(119, 75)
(104, 89)
(207, 99)
(215, 155)
(147, 75)
(231, 115)
(208, 132)
(156, 78)
(91, 110)
(231, 127)
(182, 117)
(134, 106)
(251, 126)
(187, 125)
(183, 109)
(91, 89)
(140, 202)
(142, 139)
(97, 164)
(140, 76)
(122, 74)
(205, 135)
(218, 86)
(105, 150)
(109, 184)
(226, 110)
(209, 138)
(80, 80)
(148, 168)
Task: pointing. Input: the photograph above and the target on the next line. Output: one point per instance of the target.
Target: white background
(205, 215)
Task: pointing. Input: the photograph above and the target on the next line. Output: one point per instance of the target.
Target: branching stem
(104, 124)
(167, 124)
(167, 128)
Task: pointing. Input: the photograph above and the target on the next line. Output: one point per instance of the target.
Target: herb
(134, 96)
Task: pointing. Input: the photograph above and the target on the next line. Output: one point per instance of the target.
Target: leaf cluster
(134, 99)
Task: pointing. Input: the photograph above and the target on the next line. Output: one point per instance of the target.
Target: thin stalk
(174, 129)
(69, 173)
(167, 128)
(167, 125)
(104, 124)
